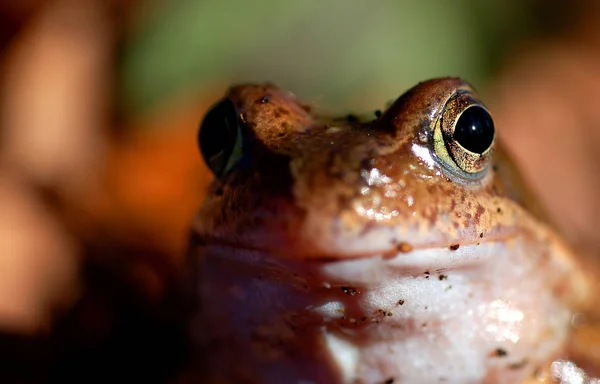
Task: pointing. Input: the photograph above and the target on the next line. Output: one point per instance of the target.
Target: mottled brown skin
(319, 190)
(314, 168)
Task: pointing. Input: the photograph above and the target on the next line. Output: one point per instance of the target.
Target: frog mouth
(317, 237)
(467, 250)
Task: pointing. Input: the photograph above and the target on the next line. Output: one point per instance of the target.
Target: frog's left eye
(464, 136)
(220, 138)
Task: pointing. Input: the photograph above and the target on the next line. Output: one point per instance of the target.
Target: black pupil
(474, 130)
(218, 134)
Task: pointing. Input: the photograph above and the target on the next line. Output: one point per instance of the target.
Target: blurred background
(99, 172)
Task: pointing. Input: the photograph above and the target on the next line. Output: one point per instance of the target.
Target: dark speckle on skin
(350, 291)
(400, 302)
(442, 277)
(307, 108)
(427, 274)
(352, 118)
(404, 247)
(454, 247)
(389, 381)
(499, 352)
(481, 235)
(478, 212)
(499, 210)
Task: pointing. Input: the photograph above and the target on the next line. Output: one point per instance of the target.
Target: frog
(400, 248)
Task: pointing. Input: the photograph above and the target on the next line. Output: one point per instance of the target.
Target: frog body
(396, 250)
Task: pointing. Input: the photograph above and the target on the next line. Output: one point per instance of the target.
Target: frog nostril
(474, 130)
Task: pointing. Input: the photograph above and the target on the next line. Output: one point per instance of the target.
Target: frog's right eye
(220, 138)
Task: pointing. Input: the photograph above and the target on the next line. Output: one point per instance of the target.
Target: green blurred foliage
(343, 54)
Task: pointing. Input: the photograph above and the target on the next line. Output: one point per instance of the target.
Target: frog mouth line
(401, 248)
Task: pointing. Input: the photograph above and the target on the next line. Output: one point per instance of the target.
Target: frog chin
(480, 313)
